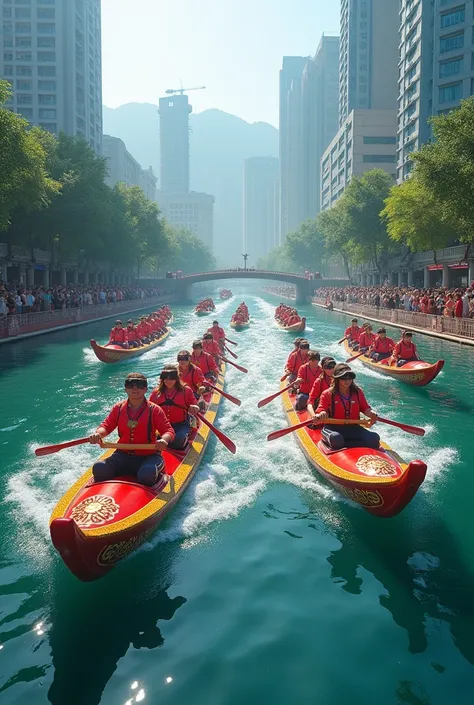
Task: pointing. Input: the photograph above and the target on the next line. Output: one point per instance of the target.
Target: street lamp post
(245, 261)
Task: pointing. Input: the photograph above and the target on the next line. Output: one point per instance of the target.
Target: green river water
(263, 586)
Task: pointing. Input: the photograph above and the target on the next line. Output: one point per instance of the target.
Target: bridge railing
(243, 270)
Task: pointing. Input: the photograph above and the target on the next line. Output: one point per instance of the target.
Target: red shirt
(131, 334)
(458, 309)
(295, 361)
(218, 333)
(404, 351)
(353, 333)
(320, 385)
(211, 347)
(174, 403)
(366, 339)
(151, 421)
(205, 362)
(309, 376)
(337, 407)
(117, 335)
(194, 377)
(383, 345)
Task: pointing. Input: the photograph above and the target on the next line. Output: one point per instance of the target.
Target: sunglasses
(330, 366)
(304, 347)
(183, 358)
(348, 375)
(169, 375)
(136, 384)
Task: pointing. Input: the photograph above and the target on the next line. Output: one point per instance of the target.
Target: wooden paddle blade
(229, 444)
(283, 431)
(282, 379)
(267, 400)
(415, 430)
(341, 340)
(231, 341)
(354, 357)
(231, 352)
(226, 395)
(128, 446)
(239, 367)
(49, 450)
(333, 422)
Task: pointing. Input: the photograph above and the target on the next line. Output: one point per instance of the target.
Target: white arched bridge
(304, 286)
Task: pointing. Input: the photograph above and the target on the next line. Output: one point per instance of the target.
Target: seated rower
(205, 362)
(132, 337)
(177, 401)
(296, 359)
(217, 333)
(345, 400)
(138, 421)
(366, 338)
(192, 375)
(352, 333)
(210, 346)
(322, 383)
(382, 346)
(307, 375)
(118, 335)
(405, 350)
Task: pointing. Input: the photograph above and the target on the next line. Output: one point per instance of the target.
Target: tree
(24, 181)
(186, 252)
(413, 217)
(446, 168)
(306, 247)
(333, 225)
(277, 260)
(363, 201)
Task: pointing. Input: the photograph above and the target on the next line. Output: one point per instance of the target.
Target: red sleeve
(324, 402)
(111, 421)
(302, 372)
(315, 392)
(189, 397)
(396, 349)
(364, 406)
(199, 376)
(291, 357)
(212, 364)
(161, 423)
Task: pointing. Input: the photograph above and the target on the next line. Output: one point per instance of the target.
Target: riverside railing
(458, 327)
(13, 325)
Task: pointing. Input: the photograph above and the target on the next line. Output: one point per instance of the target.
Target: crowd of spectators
(286, 291)
(16, 298)
(440, 301)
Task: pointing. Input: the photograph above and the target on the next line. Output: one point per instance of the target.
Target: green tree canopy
(307, 247)
(186, 252)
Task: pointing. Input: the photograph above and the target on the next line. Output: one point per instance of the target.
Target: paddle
(49, 450)
(354, 357)
(267, 400)
(230, 445)
(334, 422)
(226, 395)
(341, 340)
(231, 352)
(287, 374)
(128, 446)
(242, 369)
(231, 341)
(415, 430)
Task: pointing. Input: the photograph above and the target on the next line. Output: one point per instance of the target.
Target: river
(263, 585)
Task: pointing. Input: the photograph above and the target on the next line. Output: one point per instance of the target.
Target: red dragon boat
(96, 524)
(379, 480)
(417, 373)
(295, 328)
(115, 353)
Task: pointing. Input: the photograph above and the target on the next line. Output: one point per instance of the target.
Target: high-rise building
(290, 76)
(260, 207)
(174, 142)
(192, 211)
(436, 70)
(50, 52)
(368, 56)
(122, 167)
(320, 119)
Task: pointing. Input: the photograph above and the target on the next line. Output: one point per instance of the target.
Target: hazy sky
(234, 47)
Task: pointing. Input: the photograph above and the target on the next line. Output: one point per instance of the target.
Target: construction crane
(181, 91)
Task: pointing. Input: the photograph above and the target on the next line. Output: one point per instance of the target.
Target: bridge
(304, 286)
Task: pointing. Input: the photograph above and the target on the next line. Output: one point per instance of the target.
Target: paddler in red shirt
(217, 333)
(405, 350)
(296, 359)
(177, 401)
(132, 337)
(345, 400)
(307, 375)
(190, 374)
(204, 361)
(210, 346)
(353, 332)
(138, 421)
(322, 383)
(118, 335)
(382, 346)
(366, 338)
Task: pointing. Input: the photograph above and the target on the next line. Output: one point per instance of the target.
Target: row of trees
(53, 196)
(430, 210)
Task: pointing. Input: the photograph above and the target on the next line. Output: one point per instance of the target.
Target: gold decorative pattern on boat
(95, 510)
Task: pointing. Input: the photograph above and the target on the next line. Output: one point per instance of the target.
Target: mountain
(219, 144)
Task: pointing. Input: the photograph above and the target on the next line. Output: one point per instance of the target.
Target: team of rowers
(241, 314)
(286, 315)
(379, 347)
(167, 415)
(225, 294)
(205, 305)
(148, 328)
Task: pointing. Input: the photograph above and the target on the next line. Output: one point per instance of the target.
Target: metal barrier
(460, 327)
(17, 324)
